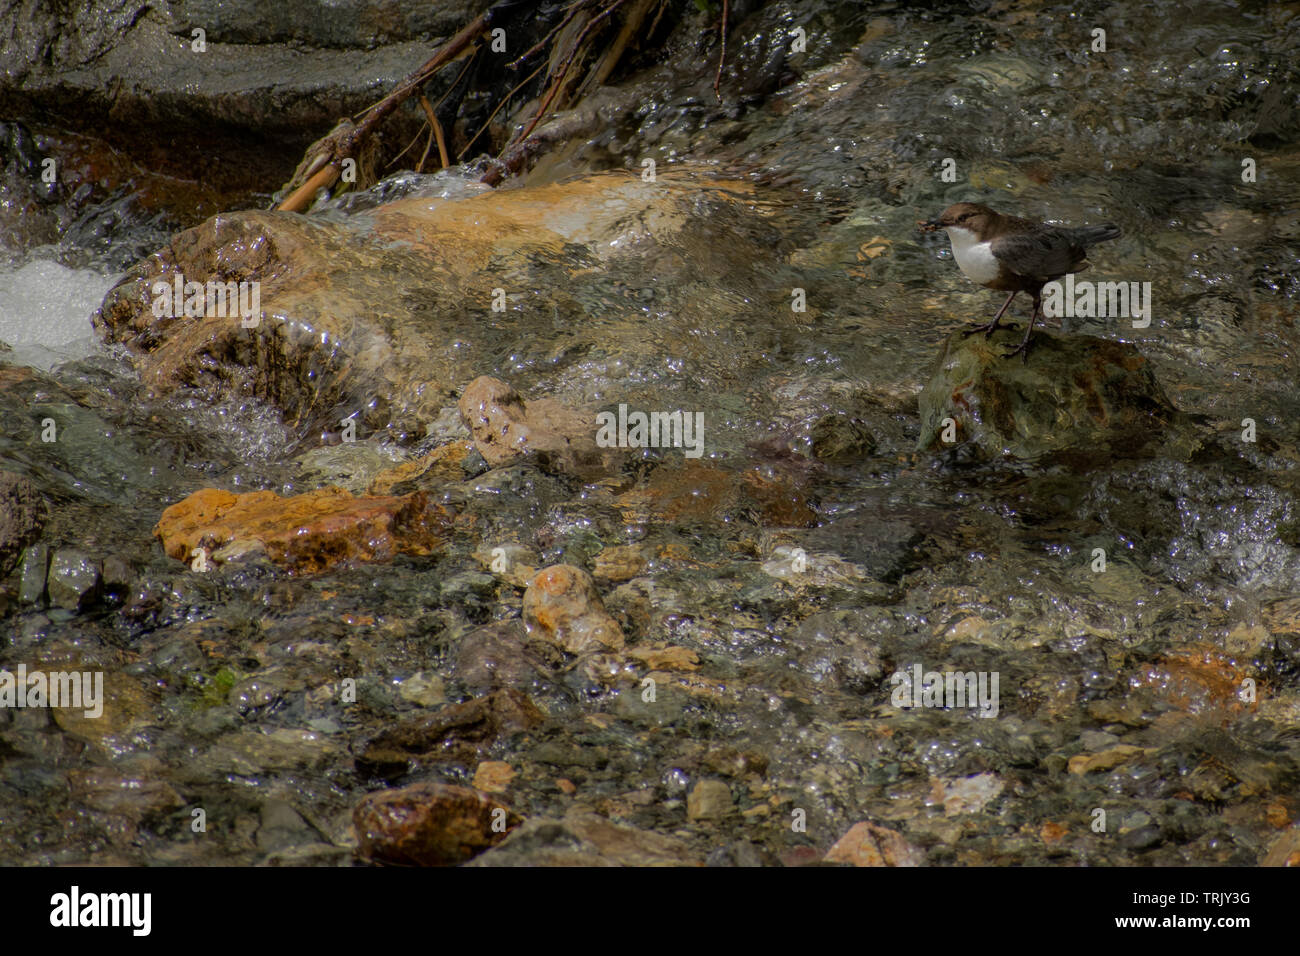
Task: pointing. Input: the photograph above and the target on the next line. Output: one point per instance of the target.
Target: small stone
(1079, 399)
(513, 562)
(34, 570)
(965, 795)
(73, 582)
(838, 438)
(709, 800)
(563, 606)
(1127, 712)
(869, 845)
(353, 465)
(1106, 760)
(1094, 741)
(493, 776)
(1141, 839)
(583, 838)
(620, 563)
(137, 797)
(427, 690)
(430, 824)
(497, 655)
(118, 575)
(660, 657)
(282, 827)
(505, 428)
(453, 733)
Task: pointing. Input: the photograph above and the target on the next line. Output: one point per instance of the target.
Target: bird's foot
(1022, 350)
(988, 328)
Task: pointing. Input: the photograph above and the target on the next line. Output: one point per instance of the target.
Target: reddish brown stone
(430, 824)
(309, 533)
(1195, 678)
(694, 491)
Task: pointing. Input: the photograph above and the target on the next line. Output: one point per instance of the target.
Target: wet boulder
(308, 533)
(384, 315)
(1079, 399)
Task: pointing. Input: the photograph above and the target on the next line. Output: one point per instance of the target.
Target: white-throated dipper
(1014, 255)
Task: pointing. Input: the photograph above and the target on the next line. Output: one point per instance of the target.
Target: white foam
(45, 311)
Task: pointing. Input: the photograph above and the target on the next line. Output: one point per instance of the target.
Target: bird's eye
(963, 217)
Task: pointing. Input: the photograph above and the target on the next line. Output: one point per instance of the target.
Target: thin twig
(573, 12)
(717, 80)
(631, 23)
(435, 128)
(452, 50)
(443, 157)
(414, 140)
(492, 115)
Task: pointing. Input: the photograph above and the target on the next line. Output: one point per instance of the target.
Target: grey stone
(74, 579)
(34, 570)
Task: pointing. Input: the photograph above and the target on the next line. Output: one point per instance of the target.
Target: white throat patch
(975, 258)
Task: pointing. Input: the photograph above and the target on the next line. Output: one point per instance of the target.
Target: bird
(1014, 255)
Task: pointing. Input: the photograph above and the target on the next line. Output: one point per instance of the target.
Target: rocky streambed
(656, 519)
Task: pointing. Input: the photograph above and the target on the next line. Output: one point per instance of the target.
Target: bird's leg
(988, 328)
(1023, 348)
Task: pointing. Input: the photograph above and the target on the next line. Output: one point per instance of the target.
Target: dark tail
(1091, 235)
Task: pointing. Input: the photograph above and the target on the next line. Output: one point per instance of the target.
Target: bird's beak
(929, 225)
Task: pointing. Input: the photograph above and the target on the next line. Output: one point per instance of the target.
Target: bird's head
(962, 215)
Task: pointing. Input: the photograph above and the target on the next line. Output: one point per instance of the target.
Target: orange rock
(666, 658)
(781, 496)
(444, 462)
(309, 533)
(620, 562)
(1052, 833)
(869, 845)
(493, 776)
(1277, 815)
(563, 606)
(1106, 760)
(1196, 678)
